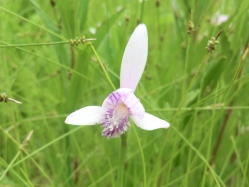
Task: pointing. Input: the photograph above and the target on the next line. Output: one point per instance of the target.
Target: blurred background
(207, 143)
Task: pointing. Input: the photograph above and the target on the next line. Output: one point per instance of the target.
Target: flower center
(116, 120)
(120, 111)
(119, 105)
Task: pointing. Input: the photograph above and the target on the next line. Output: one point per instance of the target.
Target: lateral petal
(134, 58)
(150, 122)
(89, 115)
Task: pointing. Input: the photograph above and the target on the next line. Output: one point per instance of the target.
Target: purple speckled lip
(119, 105)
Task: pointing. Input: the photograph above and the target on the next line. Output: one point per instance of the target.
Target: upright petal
(134, 58)
(90, 115)
(150, 122)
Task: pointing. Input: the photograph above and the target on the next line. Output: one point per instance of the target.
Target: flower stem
(142, 155)
(121, 165)
(36, 44)
(123, 141)
(39, 44)
(5, 98)
(142, 12)
(103, 68)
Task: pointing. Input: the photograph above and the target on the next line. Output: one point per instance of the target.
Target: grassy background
(54, 80)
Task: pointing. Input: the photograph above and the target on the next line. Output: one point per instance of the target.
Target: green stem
(33, 23)
(209, 145)
(54, 62)
(10, 165)
(142, 156)
(192, 127)
(39, 44)
(241, 65)
(103, 68)
(215, 176)
(30, 45)
(123, 141)
(186, 61)
(238, 75)
(206, 108)
(181, 103)
(121, 163)
(21, 148)
(190, 85)
(142, 12)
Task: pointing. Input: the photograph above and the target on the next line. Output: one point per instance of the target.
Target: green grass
(207, 143)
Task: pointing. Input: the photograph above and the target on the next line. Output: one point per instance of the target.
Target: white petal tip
(150, 122)
(68, 121)
(167, 125)
(142, 26)
(90, 115)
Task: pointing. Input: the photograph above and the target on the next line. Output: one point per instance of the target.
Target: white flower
(121, 104)
(219, 19)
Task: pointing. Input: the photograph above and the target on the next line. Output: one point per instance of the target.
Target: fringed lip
(119, 106)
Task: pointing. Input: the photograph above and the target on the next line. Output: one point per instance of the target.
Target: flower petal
(127, 96)
(134, 58)
(89, 115)
(132, 102)
(150, 122)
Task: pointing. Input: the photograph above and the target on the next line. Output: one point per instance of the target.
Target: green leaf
(81, 14)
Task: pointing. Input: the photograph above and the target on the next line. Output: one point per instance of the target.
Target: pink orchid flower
(121, 104)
